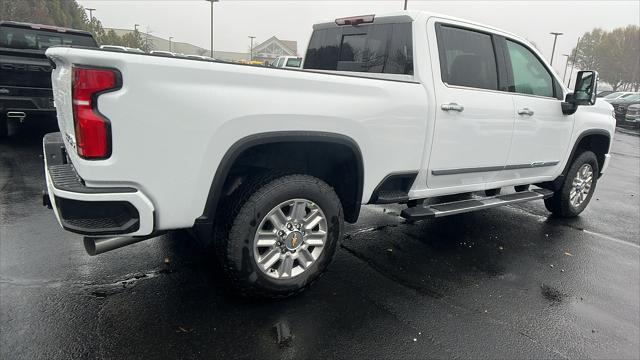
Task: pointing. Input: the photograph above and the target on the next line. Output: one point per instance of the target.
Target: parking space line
(610, 238)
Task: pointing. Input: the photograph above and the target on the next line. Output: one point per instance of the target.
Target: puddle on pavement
(104, 290)
(283, 334)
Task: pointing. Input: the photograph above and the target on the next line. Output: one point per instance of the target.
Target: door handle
(452, 107)
(525, 111)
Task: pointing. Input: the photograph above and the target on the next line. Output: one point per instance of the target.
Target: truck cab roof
(410, 16)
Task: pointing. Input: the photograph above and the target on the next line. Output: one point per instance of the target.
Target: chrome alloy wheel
(581, 185)
(290, 238)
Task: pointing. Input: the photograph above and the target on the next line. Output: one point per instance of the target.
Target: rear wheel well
(338, 163)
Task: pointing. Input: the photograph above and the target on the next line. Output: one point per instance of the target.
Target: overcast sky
(234, 20)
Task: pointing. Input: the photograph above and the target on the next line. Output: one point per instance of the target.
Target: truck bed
(174, 119)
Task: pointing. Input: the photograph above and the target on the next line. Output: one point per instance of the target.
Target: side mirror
(584, 93)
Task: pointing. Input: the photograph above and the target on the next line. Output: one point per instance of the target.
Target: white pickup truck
(265, 164)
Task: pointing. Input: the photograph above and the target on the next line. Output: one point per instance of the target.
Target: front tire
(578, 187)
(281, 234)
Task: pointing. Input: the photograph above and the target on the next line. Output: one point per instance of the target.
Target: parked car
(249, 62)
(604, 93)
(620, 104)
(632, 117)
(292, 62)
(121, 48)
(266, 165)
(618, 95)
(25, 79)
(163, 53)
(200, 57)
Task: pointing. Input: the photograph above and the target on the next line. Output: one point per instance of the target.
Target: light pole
(135, 27)
(170, 37)
(90, 10)
(405, 4)
(212, 1)
(251, 37)
(566, 64)
(555, 38)
(573, 63)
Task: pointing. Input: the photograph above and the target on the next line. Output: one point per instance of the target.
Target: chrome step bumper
(463, 206)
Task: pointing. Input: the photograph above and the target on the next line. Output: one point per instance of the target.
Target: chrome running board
(463, 206)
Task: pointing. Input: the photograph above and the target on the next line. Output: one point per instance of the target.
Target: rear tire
(578, 187)
(269, 259)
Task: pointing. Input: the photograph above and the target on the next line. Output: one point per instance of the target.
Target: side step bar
(463, 206)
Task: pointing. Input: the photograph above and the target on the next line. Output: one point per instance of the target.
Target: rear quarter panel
(174, 120)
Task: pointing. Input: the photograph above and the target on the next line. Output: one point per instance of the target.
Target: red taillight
(355, 20)
(93, 131)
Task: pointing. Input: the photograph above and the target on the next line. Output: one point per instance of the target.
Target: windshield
(20, 38)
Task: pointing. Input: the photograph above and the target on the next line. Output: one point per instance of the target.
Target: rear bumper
(87, 210)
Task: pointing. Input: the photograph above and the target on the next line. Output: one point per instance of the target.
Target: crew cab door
(541, 133)
(474, 111)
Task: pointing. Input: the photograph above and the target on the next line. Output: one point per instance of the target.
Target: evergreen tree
(69, 14)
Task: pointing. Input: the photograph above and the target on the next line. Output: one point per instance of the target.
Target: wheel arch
(204, 224)
(596, 140)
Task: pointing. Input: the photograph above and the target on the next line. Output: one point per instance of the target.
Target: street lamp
(566, 64)
(135, 27)
(555, 38)
(90, 10)
(573, 63)
(170, 37)
(212, 1)
(405, 4)
(251, 37)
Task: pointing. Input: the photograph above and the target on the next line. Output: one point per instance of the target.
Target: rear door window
(374, 48)
(467, 58)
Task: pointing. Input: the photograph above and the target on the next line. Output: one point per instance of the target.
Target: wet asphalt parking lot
(502, 283)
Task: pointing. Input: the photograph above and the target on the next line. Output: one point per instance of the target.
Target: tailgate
(24, 69)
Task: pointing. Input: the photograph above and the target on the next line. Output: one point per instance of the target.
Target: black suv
(25, 84)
